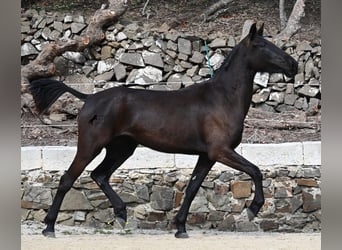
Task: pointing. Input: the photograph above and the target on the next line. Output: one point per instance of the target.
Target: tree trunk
(43, 65)
(282, 14)
(293, 24)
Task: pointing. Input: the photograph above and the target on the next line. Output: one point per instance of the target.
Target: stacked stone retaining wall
(153, 184)
(139, 56)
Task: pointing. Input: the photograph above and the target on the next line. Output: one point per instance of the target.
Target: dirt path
(166, 241)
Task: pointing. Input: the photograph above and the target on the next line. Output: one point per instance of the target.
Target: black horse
(204, 119)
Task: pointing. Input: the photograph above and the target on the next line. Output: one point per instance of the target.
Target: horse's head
(264, 56)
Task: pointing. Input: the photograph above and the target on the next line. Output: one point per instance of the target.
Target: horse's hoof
(122, 222)
(49, 234)
(250, 214)
(181, 235)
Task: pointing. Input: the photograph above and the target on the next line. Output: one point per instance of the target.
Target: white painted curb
(262, 155)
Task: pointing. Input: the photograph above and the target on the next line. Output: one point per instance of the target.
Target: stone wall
(153, 196)
(153, 191)
(139, 56)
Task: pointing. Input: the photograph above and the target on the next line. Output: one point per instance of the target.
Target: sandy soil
(76, 237)
(198, 240)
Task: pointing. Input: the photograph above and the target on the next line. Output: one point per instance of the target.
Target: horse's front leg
(232, 159)
(201, 170)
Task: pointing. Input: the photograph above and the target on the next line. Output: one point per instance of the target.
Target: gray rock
(154, 59)
(205, 72)
(193, 71)
(184, 46)
(162, 198)
(160, 44)
(142, 192)
(110, 36)
(314, 103)
(187, 81)
(276, 77)
(278, 97)
(311, 200)
(145, 76)
(290, 99)
(57, 117)
(58, 26)
(178, 68)
(218, 43)
(148, 42)
(312, 173)
(78, 19)
(121, 36)
(105, 65)
(141, 211)
(106, 52)
(80, 216)
(46, 33)
(219, 201)
(37, 197)
(120, 71)
(67, 34)
(134, 59)
(136, 46)
(199, 205)
(68, 19)
(105, 77)
(172, 36)
(75, 200)
(128, 197)
(186, 65)
(28, 49)
(76, 57)
(304, 46)
(231, 42)
(183, 57)
(216, 60)
(261, 79)
(301, 103)
(309, 91)
(54, 35)
(172, 45)
(309, 69)
(262, 96)
(197, 57)
(246, 226)
(314, 82)
(196, 45)
(299, 80)
(174, 82)
(77, 27)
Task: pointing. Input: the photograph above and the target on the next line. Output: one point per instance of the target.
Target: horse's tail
(46, 91)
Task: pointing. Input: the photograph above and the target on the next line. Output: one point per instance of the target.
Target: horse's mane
(227, 61)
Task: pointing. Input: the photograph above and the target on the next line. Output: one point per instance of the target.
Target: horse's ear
(252, 31)
(261, 30)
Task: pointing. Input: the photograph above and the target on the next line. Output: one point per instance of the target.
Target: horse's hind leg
(203, 166)
(82, 159)
(117, 153)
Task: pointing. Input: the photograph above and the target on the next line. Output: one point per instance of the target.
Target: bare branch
(216, 7)
(43, 65)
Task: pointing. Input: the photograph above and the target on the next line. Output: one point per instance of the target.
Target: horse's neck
(237, 83)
